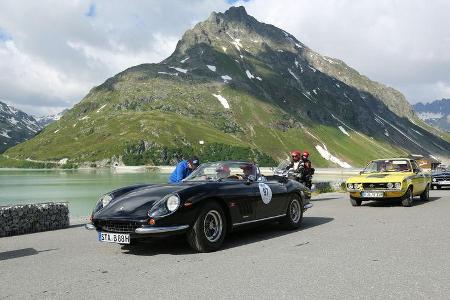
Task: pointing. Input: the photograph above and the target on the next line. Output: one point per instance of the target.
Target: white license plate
(108, 237)
(372, 194)
(444, 182)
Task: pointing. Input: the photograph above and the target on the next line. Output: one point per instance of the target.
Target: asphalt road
(375, 251)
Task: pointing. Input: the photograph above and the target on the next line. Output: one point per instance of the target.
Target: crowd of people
(300, 166)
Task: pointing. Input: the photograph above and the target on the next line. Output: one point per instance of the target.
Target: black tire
(294, 213)
(355, 201)
(425, 196)
(209, 230)
(408, 198)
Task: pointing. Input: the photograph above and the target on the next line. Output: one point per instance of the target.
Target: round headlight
(398, 185)
(349, 186)
(390, 185)
(173, 202)
(106, 199)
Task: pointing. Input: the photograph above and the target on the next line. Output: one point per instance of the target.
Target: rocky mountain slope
(235, 86)
(15, 126)
(436, 113)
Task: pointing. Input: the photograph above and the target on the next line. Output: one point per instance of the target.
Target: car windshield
(390, 165)
(223, 171)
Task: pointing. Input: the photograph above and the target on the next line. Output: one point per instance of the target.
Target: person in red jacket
(301, 166)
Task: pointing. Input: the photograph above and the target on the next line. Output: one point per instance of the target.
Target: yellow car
(389, 179)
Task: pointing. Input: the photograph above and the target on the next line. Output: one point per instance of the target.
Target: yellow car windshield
(382, 166)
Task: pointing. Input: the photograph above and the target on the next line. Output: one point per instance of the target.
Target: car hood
(136, 203)
(380, 177)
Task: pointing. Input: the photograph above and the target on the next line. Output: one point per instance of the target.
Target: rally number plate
(372, 194)
(108, 237)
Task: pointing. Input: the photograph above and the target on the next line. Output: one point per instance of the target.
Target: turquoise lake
(80, 188)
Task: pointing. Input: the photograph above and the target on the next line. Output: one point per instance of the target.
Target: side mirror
(416, 171)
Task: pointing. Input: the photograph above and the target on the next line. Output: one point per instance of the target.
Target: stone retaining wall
(20, 219)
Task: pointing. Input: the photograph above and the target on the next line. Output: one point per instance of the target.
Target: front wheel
(294, 213)
(425, 196)
(355, 201)
(408, 198)
(209, 229)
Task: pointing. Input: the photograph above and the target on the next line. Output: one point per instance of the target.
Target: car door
(241, 198)
(271, 198)
(419, 179)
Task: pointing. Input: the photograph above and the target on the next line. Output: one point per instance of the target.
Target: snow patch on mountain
(293, 75)
(343, 130)
(323, 151)
(249, 74)
(166, 73)
(212, 68)
(13, 121)
(417, 132)
(184, 60)
(179, 69)
(226, 78)
(4, 133)
(102, 107)
(222, 100)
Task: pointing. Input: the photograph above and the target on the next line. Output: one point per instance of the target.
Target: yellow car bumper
(386, 194)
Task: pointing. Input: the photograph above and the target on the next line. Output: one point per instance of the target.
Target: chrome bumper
(309, 205)
(151, 229)
(89, 226)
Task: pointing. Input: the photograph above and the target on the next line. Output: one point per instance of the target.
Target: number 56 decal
(266, 193)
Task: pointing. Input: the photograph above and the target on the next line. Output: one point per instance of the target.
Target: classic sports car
(440, 180)
(389, 178)
(215, 199)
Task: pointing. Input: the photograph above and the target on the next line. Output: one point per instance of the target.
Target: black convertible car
(215, 199)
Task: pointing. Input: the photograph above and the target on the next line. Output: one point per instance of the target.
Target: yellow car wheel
(408, 198)
(425, 196)
(355, 201)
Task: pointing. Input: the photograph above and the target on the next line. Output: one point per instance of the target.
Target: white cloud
(56, 51)
(401, 43)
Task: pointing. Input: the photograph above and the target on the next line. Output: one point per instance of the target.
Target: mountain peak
(237, 12)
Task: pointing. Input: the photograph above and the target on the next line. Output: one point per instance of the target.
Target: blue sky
(92, 11)
(4, 36)
(53, 52)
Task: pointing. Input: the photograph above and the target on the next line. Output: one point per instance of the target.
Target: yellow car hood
(380, 177)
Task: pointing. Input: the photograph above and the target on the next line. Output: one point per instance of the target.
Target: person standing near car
(183, 169)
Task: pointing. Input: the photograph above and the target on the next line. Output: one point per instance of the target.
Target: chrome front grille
(441, 178)
(113, 226)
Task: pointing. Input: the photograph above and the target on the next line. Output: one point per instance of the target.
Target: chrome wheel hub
(213, 226)
(295, 211)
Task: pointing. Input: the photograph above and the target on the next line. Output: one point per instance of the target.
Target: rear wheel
(425, 196)
(209, 229)
(294, 213)
(408, 198)
(355, 201)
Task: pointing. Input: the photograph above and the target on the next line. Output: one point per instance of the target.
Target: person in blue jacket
(183, 169)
